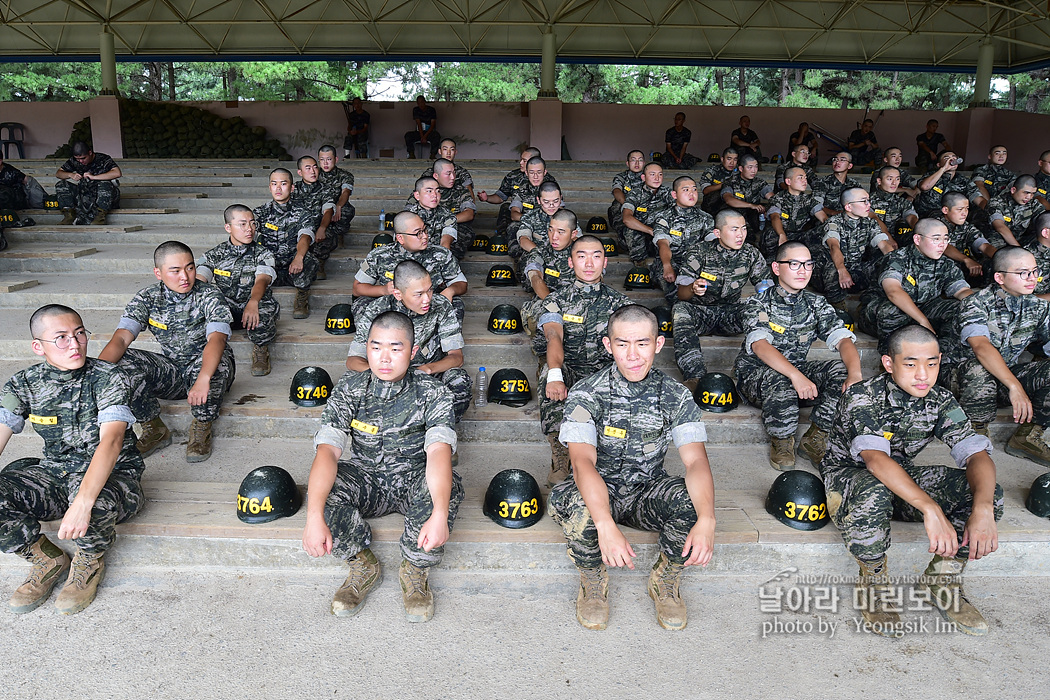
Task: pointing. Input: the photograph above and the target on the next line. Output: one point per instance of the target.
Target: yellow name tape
(708, 276)
(618, 433)
(775, 327)
(364, 427)
(912, 280)
(158, 324)
(43, 420)
(572, 319)
(675, 232)
(272, 227)
(221, 273)
(552, 273)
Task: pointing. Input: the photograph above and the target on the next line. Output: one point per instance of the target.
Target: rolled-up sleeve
(266, 270)
(218, 327)
(578, 432)
(756, 335)
(968, 447)
(116, 414)
(837, 336)
(440, 433)
(130, 325)
(868, 442)
(327, 435)
(687, 433)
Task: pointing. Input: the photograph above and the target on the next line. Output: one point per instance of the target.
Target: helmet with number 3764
(267, 493)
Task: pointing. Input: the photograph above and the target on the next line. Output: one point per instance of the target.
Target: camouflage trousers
(322, 250)
(87, 197)
(616, 227)
(302, 279)
(154, 376)
(551, 411)
(767, 388)
(340, 228)
(880, 317)
(31, 494)
(980, 393)
(656, 272)
(688, 162)
(530, 315)
(503, 219)
(661, 505)
(826, 278)
(861, 506)
(514, 249)
(464, 240)
(461, 385)
(637, 244)
(266, 331)
(358, 494)
(692, 322)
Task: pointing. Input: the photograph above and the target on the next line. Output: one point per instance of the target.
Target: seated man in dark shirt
(804, 137)
(426, 131)
(930, 144)
(358, 130)
(863, 145)
(746, 141)
(677, 141)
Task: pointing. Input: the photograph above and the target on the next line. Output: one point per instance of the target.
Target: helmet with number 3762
(798, 500)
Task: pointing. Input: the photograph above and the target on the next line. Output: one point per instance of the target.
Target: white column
(547, 79)
(108, 58)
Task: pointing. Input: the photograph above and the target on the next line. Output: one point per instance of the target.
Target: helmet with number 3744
(267, 493)
(513, 499)
(311, 386)
(798, 500)
(510, 387)
(716, 392)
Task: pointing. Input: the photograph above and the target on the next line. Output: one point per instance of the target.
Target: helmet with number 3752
(510, 387)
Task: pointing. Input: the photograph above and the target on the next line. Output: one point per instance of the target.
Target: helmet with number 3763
(311, 386)
(513, 499)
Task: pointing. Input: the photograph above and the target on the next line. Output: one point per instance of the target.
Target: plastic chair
(13, 128)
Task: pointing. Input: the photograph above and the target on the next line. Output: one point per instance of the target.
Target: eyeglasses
(840, 160)
(418, 234)
(937, 239)
(860, 201)
(794, 265)
(63, 342)
(1023, 274)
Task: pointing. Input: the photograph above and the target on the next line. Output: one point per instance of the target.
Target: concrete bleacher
(190, 516)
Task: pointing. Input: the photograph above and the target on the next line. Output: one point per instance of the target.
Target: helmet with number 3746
(510, 387)
(798, 500)
(311, 386)
(267, 493)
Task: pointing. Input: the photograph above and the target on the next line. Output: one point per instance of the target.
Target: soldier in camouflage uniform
(511, 183)
(997, 324)
(573, 319)
(890, 207)
(710, 283)
(993, 179)
(243, 270)
(447, 150)
(191, 321)
(314, 198)
(1012, 212)
(893, 157)
(968, 246)
(1039, 246)
(438, 332)
(828, 190)
(641, 208)
(339, 183)
(618, 423)
(526, 197)
(712, 180)
(532, 229)
(881, 425)
(850, 239)
(288, 231)
(90, 471)
(385, 445)
(425, 202)
(411, 242)
(916, 284)
(939, 182)
(772, 371)
(87, 187)
(799, 159)
(677, 231)
(1042, 180)
(460, 202)
(794, 214)
(546, 267)
(749, 195)
(623, 183)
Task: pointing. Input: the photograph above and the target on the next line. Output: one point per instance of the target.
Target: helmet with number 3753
(311, 386)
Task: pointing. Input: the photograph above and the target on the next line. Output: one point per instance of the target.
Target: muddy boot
(813, 445)
(416, 593)
(302, 304)
(153, 436)
(980, 427)
(85, 574)
(1027, 443)
(365, 574)
(260, 360)
(691, 384)
(871, 589)
(49, 565)
(943, 578)
(592, 602)
(782, 453)
(321, 274)
(100, 218)
(560, 467)
(663, 589)
(198, 448)
(68, 217)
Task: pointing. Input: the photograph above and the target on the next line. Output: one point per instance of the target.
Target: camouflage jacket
(181, 323)
(647, 204)
(627, 181)
(750, 191)
(438, 331)
(794, 212)
(778, 177)
(1042, 261)
(551, 263)
(962, 236)
(439, 220)
(1010, 323)
(280, 227)
(387, 426)
(726, 271)
(1016, 216)
(461, 179)
(456, 199)
(514, 180)
(854, 235)
(534, 225)
(631, 424)
(335, 181)
(876, 414)
(378, 266)
(66, 409)
(715, 175)
(1042, 184)
(582, 310)
(923, 279)
(526, 197)
(930, 200)
(683, 229)
(790, 323)
(314, 199)
(828, 190)
(234, 268)
(997, 179)
(100, 165)
(893, 209)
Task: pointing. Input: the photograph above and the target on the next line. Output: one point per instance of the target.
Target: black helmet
(311, 386)
(797, 499)
(847, 320)
(10, 217)
(510, 387)
(610, 247)
(638, 278)
(340, 320)
(382, 239)
(480, 242)
(513, 499)
(505, 319)
(1038, 500)
(388, 223)
(597, 224)
(267, 493)
(664, 321)
(501, 275)
(23, 463)
(716, 392)
(497, 245)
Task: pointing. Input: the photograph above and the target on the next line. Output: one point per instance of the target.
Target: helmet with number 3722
(311, 386)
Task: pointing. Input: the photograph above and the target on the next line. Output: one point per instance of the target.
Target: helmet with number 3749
(311, 386)
(267, 493)
(798, 500)
(505, 319)
(510, 387)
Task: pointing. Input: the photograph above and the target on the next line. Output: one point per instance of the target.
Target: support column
(983, 83)
(108, 58)
(548, 86)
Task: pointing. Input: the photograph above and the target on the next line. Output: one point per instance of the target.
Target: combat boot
(198, 448)
(302, 304)
(592, 602)
(663, 589)
(68, 217)
(49, 564)
(416, 593)
(260, 360)
(871, 588)
(782, 453)
(153, 436)
(561, 469)
(691, 385)
(943, 579)
(365, 574)
(321, 274)
(85, 574)
(100, 218)
(1027, 443)
(840, 306)
(980, 427)
(814, 444)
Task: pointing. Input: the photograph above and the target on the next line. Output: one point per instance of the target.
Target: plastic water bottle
(382, 219)
(481, 388)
